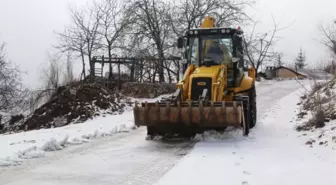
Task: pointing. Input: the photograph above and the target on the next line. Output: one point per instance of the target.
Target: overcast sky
(27, 26)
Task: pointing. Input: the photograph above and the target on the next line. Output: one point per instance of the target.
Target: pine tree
(300, 60)
(279, 59)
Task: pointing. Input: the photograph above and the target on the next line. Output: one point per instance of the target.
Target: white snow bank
(33, 144)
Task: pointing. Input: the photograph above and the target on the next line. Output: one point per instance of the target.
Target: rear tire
(151, 133)
(253, 106)
(247, 117)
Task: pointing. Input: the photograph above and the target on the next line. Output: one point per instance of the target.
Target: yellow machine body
(187, 114)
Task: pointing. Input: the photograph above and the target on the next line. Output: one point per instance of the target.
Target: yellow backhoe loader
(217, 89)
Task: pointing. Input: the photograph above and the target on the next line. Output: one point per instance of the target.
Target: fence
(143, 69)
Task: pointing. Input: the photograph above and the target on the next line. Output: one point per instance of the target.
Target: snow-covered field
(272, 154)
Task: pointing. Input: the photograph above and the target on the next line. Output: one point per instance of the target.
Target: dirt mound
(147, 90)
(73, 104)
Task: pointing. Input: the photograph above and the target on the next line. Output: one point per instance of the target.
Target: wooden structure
(137, 68)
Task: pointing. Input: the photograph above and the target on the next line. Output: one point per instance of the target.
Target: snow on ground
(320, 137)
(33, 144)
(272, 154)
(123, 159)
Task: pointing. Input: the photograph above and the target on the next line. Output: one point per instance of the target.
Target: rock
(1, 128)
(151, 95)
(334, 139)
(59, 122)
(310, 142)
(73, 91)
(14, 119)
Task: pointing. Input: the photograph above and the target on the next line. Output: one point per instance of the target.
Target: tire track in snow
(150, 173)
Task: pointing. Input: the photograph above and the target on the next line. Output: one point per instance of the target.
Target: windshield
(214, 49)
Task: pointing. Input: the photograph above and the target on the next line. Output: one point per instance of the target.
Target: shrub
(317, 121)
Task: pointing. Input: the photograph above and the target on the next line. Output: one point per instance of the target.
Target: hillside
(317, 115)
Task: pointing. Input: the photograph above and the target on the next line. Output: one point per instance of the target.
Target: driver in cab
(217, 52)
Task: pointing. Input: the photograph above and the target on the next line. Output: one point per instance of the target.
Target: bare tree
(153, 27)
(257, 46)
(69, 76)
(52, 73)
(190, 13)
(329, 34)
(51, 76)
(12, 91)
(114, 20)
(82, 36)
(72, 40)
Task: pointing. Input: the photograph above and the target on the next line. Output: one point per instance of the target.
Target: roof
(298, 71)
(316, 73)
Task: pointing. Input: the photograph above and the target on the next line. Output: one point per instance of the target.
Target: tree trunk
(161, 66)
(92, 71)
(110, 66)
(169, 74)
(83, 63)
(119, 83)
(92, 68)
(132, 71)
(178, 72)
(141, 71)
(154, 74)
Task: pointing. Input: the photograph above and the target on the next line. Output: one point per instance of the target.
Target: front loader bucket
(189, 116)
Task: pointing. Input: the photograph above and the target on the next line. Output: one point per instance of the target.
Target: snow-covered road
(272, 154)
(124, 158)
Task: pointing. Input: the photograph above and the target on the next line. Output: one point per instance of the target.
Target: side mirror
(180, 42)
(238, 42)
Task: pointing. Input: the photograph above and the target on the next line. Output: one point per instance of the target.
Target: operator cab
(215, 46)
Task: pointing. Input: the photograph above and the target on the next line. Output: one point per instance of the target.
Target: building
(289, 73)
(284, 72)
